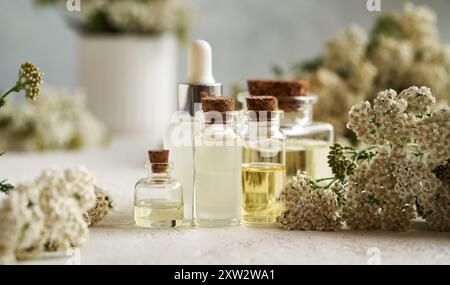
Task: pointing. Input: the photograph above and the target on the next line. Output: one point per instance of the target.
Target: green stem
(331, 183)
(14, 89)
(325, 179)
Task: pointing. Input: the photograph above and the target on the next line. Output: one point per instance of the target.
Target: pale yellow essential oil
(159, 213)
(262, 183)
(309, 156)
(217, 188)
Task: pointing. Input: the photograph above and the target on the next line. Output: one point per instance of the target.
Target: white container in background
(131, 82)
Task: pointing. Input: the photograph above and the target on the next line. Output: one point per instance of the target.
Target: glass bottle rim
(148, 166)
(271, 116)
(309, 99)
(226, 117)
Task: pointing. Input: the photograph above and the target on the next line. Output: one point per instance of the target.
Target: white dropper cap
(200, 63)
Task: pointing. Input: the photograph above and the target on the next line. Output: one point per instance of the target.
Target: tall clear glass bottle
(263, 163)
(158, 198)
(307, 142)
(179, 138)
(217, 159)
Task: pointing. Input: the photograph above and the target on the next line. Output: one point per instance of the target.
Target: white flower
(419, 100)
(46, 214)
(362, 121)
(58, 120)
(418, 22)
(310, 209)
(381, 194)
(103, 205)
(433, 136)
(346, 51)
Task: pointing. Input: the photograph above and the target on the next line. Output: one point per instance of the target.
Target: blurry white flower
(46, 214)
(58, 120)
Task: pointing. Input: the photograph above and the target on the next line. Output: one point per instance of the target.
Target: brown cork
(278, 88)
(262, 103)
(159, 160)
(289, 107)
(263, 106)
(220, 104)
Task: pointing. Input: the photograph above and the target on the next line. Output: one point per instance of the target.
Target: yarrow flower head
(103, 206)
(30, 79)
(393, 118)
(382, 194)
(419, 100)
(309, 208)
(46, 214)
(402, 49)
(443, 172)
(58, 120)
(432, 134)
(340, 165)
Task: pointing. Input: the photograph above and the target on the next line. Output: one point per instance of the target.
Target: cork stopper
(262, 103)
(159, 160)
(220, 104)
(278, 88)
(262, 106)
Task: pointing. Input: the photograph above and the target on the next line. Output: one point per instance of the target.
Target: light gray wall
(247, 35)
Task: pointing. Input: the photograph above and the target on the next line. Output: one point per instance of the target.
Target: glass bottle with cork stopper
(307, 141)
(263, 161)
(158, 198)
(217, 160)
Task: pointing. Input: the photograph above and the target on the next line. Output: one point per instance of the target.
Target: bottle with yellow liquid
(307, 142)
(158, 198)
(263, 161)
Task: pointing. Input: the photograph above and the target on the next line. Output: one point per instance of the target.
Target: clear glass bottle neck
(217, 120)
(161, 175)
(303, 115)
(159, 170)
(263, 118)
(297, 110)
(265, 123)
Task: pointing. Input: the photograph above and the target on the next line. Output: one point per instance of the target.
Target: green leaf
(277, 71)
(5, 187)
(310, 66)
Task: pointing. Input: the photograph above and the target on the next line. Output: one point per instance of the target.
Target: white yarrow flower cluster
(103, 206)
(403, 49)
(310, 209)
(146, 17)
(433, 136)
(46, 214)
(58, 120)
(393, 117)
(383, 194)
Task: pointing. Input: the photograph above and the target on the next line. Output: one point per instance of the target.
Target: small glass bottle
(158, 198)
(307, 142)
(263, 161)
(217, 160)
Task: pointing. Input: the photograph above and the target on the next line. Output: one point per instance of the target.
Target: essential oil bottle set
(230, 166)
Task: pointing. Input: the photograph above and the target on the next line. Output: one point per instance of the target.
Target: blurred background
(127, 58)
(247, 36)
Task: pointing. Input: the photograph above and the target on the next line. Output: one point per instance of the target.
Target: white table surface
(118, 241)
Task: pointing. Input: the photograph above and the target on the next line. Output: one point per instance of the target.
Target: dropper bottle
(179, 137)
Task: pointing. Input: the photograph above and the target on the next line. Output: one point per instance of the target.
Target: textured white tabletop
(118, 241)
